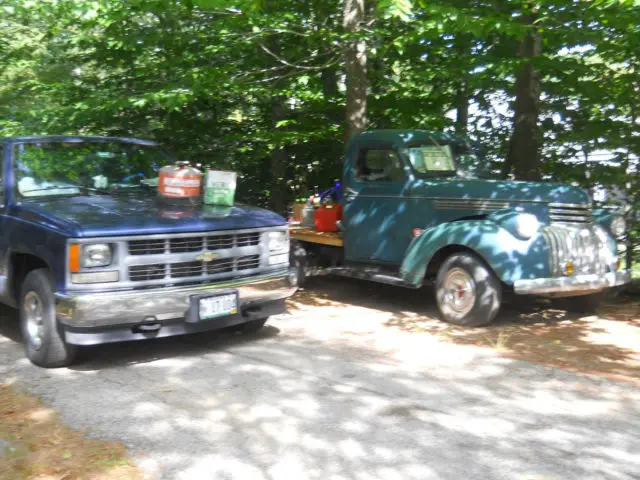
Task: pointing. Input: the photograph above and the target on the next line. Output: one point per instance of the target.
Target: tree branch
(298, 66)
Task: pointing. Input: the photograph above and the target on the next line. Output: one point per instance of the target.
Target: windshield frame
(14, 145)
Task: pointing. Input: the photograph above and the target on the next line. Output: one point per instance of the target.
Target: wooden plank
(333, 239)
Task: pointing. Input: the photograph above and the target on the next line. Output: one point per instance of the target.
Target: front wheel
(297, 265)
(42, 335)
(467, 292)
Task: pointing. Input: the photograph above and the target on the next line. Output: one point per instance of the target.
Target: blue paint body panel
(97, 216)
(510, 257)
(42, 227)
(380, 217)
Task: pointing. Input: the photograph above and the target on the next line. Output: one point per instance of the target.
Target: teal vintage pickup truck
(412, 213)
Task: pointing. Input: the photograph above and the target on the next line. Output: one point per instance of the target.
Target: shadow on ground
(296, 402)
(526, 328)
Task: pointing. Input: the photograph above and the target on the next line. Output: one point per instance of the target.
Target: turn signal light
(74, 258)
(618, 264)
(568, 269)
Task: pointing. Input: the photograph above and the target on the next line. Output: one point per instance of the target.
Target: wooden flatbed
(305, 234)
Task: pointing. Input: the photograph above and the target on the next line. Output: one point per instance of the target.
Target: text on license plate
(211, 307)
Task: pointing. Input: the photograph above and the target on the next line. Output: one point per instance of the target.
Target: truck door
(376, 207)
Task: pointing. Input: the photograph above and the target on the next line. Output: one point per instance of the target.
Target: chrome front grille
(147, 247)
(562, 213)
(187, 244)
(582, 246)
(193, 244)
(181, 270)
(247, 239)
(178, 259)
(141, 273)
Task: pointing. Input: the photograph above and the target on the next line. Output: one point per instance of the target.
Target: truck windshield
(446, 160)
(44, 169)
(432, 159)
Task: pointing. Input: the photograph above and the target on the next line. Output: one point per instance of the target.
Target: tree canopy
(272, 88)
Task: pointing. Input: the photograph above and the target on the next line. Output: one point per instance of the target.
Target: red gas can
(326, 216)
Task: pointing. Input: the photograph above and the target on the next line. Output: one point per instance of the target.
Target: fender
(510, 257)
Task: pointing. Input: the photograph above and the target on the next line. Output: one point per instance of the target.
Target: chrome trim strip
(570, 214)
(95, 310)
(561, 219)
(169, 258)
(474, 204)
(571, 205)
(419, 197)
(163, 236)
(570, 211)
(578, 284)
(514, 200)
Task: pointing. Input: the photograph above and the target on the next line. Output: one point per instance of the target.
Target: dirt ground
(36, 446)
(607, 344)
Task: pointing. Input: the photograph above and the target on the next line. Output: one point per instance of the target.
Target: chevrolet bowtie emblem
(207, 256)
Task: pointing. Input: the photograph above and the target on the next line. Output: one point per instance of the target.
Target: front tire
(42, 335)
(467, 292)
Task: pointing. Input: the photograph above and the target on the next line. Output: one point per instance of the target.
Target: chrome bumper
(577, 285)
(96, 310)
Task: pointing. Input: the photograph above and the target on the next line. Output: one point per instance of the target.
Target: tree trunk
(278, 159)
(463, 50)
(524, 147)
(276, 112)
(462, 108)
(356, 69)
(632, 190)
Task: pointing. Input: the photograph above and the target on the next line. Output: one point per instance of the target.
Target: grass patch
(41, 448)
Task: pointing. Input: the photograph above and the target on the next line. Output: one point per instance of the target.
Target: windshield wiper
(78, 187)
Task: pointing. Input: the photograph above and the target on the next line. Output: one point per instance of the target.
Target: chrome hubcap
(459, 291)
(34, 314)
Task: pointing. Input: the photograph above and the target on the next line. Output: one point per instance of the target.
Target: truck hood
(114, 216)
(512, 191)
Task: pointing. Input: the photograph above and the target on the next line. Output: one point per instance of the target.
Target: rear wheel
(467, 292)
(297, 265)
(42, 335)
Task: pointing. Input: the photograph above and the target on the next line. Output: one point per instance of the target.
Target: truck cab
(90, 253)
(414, 211)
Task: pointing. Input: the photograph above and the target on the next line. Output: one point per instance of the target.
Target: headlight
(278, 241)
(96, 255)
(618, 226)
(526, 225)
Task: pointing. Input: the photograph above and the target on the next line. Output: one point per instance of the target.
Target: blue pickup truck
(417, 208)
(90, 254)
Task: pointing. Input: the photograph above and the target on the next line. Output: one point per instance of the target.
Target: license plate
(218, 306)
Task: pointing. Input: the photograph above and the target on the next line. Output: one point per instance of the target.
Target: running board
(373, 276)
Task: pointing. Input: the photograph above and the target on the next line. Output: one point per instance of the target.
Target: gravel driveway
(331, 393)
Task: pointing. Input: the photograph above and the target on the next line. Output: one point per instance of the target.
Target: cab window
(378, 165)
